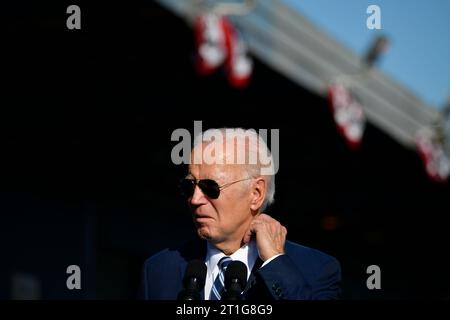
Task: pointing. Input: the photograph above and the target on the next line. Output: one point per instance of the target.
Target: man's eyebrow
(189, 175)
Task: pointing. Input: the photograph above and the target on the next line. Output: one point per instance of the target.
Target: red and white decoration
(435, 161)
(219, 44)
(210, 42)
(348, 114)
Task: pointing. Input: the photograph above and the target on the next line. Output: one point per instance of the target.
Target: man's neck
(229, 247)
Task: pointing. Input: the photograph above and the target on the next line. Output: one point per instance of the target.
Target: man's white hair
(256, 147)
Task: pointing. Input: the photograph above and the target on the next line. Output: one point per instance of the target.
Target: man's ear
(259, 189)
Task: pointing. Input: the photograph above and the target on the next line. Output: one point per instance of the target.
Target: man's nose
(198, 197)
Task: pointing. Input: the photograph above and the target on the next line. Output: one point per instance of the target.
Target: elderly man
(227, 191)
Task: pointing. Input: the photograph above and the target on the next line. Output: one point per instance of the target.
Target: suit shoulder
(314, 257)
(185, 251)
(159, 257)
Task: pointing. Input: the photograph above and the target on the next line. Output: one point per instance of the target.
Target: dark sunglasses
(209, 187)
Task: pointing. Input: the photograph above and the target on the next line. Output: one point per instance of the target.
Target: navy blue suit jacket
(302, 273)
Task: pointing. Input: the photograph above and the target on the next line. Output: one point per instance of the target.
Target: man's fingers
(272, 230)
(248, 236)
(251, 230)
(265, 217)
(275, 225)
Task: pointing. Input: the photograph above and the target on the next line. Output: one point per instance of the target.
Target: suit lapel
(252, 278)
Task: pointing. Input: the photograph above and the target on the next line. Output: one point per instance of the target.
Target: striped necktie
(219, 283)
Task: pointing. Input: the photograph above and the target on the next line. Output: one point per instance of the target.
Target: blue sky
(419, 33)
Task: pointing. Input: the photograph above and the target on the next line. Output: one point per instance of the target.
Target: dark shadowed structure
(87, 179)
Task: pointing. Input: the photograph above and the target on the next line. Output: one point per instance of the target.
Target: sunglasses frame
(196, 182)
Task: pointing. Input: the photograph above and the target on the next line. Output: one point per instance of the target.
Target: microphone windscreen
(236, 270)
(195, 269)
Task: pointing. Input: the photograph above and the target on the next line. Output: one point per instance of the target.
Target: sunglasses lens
(210, 188)
(187, 187)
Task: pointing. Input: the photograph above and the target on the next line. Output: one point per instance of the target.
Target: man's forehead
(212, 171)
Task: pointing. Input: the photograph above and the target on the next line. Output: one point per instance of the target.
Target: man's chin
(204, 234)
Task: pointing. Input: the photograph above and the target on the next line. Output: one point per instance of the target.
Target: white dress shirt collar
(246, 254)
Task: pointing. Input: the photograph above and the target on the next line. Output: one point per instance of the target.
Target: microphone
(193, 281)
(235, 280)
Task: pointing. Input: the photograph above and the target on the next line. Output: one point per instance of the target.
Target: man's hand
(270, 236)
